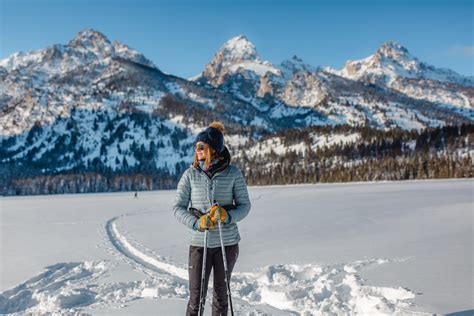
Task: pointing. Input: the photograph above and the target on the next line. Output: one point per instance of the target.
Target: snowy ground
(364, 248)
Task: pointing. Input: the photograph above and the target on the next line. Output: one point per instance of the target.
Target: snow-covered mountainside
(88, 46)
(97, 103)
(237, 55)
(395, 67)
(390, 88)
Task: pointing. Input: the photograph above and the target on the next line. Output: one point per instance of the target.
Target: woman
(211, 178)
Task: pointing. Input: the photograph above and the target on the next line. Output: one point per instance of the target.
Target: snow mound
(59, 287)
(69, 287)
(313, 289)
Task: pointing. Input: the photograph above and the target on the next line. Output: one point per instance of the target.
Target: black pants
(214, 260)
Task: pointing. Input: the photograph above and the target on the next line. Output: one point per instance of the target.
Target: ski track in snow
(282, 289)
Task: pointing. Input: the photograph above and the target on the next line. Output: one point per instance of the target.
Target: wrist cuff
(196, 224)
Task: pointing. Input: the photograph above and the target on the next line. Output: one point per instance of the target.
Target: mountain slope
(104, 107)
(378, 94)
(395, 67)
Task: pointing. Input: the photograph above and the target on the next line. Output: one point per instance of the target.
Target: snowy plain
(326, 249)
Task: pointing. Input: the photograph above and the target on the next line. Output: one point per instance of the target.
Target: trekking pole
(202, 296)
(224, 258)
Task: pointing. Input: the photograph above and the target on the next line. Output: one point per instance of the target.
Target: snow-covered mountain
(88, 46)
(392, 61)
(237, 55)
(40, 86)
(93, 102)
(395, 67)
(387, 89)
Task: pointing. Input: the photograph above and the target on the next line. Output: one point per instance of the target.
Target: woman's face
(201, 150)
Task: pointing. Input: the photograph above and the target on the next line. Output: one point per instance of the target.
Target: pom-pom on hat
(213, 135)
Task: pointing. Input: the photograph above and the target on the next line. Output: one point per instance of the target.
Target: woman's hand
(219, 209)
(205, 222)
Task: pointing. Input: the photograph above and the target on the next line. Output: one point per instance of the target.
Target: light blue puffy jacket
(198, 189)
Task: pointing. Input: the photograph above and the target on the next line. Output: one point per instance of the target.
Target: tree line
(396, 154)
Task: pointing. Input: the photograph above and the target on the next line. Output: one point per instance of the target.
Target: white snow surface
(393, 248)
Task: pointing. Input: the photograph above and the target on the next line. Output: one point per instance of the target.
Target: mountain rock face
(93, 103)
(392, 61)
(390, 88)
(237, 52)
(394, 67)
(42, 85)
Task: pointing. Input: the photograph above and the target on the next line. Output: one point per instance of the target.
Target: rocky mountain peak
(238, 49)
(91, 40)
(394, 51)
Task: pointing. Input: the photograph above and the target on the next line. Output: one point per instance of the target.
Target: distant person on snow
(211, 178)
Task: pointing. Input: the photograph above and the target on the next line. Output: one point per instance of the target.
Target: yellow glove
(205, 223)
(214, 211)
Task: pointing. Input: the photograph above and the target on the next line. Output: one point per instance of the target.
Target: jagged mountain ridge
(297, 83)
(92, 102)
(393, 66)
(392, 60)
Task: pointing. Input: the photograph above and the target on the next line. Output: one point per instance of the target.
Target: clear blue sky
(180, 37)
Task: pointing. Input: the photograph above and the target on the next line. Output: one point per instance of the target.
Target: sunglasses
(200, 146)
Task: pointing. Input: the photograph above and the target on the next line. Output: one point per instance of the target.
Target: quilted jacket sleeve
(241, 198)
(181, 201)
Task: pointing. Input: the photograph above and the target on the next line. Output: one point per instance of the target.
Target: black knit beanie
(213, 137)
